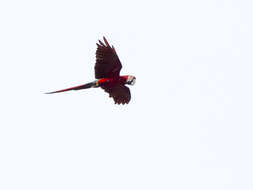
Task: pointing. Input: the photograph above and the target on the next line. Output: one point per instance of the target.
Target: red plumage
(107, 72)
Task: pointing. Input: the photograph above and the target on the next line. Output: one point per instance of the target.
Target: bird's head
(130, 80)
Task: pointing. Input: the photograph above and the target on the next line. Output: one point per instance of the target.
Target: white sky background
(188, 125)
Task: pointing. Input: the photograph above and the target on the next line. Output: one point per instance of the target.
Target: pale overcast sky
(188, 124)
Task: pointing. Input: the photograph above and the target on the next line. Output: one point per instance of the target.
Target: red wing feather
(107, 61)
(106, 42)
(120, 93)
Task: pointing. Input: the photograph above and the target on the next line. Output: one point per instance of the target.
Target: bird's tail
(80, 87)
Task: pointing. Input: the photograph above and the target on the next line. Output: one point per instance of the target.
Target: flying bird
(107, 74)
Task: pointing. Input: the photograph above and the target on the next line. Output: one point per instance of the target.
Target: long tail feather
(80, 87)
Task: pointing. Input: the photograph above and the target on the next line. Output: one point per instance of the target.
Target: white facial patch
(133, 81)
(130, 80)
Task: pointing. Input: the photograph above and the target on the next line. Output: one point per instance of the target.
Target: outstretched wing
(120, 93)
(107, 61)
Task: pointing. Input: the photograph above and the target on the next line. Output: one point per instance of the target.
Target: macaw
(107, 74)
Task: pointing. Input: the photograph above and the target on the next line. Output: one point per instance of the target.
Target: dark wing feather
(107, 61)
(120, 93)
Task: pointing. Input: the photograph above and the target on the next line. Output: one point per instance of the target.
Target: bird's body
(107, 69)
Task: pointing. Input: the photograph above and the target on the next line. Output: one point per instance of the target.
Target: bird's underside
(107, 69)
